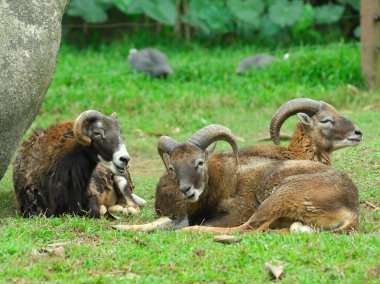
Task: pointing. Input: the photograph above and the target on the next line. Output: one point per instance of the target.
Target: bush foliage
(258, 18)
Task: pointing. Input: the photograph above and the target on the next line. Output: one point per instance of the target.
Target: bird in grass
(150, 61)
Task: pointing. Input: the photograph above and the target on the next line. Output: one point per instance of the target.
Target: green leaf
(306, 20)
(267, 27)
(210, 16)
(286, 13)
(353, 3)
(217, 19)
(135, 7)
(122, 5)
(246, 10)
(163, 11)
(91, 11)
(328, 14)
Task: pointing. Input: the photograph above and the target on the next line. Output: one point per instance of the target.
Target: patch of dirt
(147, 166)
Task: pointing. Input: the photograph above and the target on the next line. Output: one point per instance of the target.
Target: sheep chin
(348, 142)
(194, 194)
(111, 166)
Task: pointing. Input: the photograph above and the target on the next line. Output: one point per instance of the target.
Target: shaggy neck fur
(303, 147)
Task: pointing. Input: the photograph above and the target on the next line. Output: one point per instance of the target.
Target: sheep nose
(124, 159)
(358, 132)
(185, 188)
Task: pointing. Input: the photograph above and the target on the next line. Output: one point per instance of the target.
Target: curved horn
(80, 122)
(165, 145)
(211, 133)
(288, 109)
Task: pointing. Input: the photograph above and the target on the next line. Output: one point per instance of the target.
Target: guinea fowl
(150, 61)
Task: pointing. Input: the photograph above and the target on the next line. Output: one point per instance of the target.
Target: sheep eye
(98, 133)
(327, 120)
(200, 164)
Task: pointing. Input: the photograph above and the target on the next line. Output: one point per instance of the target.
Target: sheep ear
(165, 158)
(305, 119)
(210, 150)
(69, 134)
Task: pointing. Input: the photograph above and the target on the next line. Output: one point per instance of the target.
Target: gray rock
(257, 61)
(30, 36)
(150, 61)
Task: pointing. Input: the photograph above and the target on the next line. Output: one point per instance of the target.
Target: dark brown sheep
(53, 168)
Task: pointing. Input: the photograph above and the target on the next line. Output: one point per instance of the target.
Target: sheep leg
(94, 207)
(299, 201)
(102, 210)
(163, 223)
(116, 209)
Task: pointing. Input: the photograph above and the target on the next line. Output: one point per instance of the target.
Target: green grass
(204, 90)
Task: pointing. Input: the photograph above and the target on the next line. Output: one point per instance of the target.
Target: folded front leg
(164, 223)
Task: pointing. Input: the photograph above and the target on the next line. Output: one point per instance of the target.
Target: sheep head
(103, 134)
(188, 161)
(325, 126)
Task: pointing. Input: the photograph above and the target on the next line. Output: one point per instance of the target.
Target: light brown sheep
(221, 194)
(321, 131)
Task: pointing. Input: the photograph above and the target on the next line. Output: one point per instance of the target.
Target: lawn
(204, 90)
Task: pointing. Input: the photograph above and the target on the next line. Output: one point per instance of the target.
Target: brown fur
(52, 170)
(309, 142)
(255, 195)
(106, 190)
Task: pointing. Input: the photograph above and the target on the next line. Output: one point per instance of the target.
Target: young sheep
(321, 131)
(221, 194)
(114, 191)
(53, 168)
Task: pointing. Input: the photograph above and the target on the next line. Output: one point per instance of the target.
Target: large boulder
(30, 36)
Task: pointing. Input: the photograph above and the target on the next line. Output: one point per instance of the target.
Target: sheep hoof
(133, 211)
(125, 212)
(102, 210)
(298, 227)
(116, 209)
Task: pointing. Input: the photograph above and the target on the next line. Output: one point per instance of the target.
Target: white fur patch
(140, 201)
(120, 152)
(196, 192)
(121, 181)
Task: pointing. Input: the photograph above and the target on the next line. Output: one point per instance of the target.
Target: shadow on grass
(8, 204)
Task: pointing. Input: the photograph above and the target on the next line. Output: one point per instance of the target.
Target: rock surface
(30, 36)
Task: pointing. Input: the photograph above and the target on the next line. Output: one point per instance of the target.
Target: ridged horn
(308, 106)
(165, 145)
(211, 133)
(80, 122)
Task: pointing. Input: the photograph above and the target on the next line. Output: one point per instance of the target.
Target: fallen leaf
(226, 239)
(276, 270)
(58, 251)
(141, 243)
(61, 244)
(200, 252)
(373, 206)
